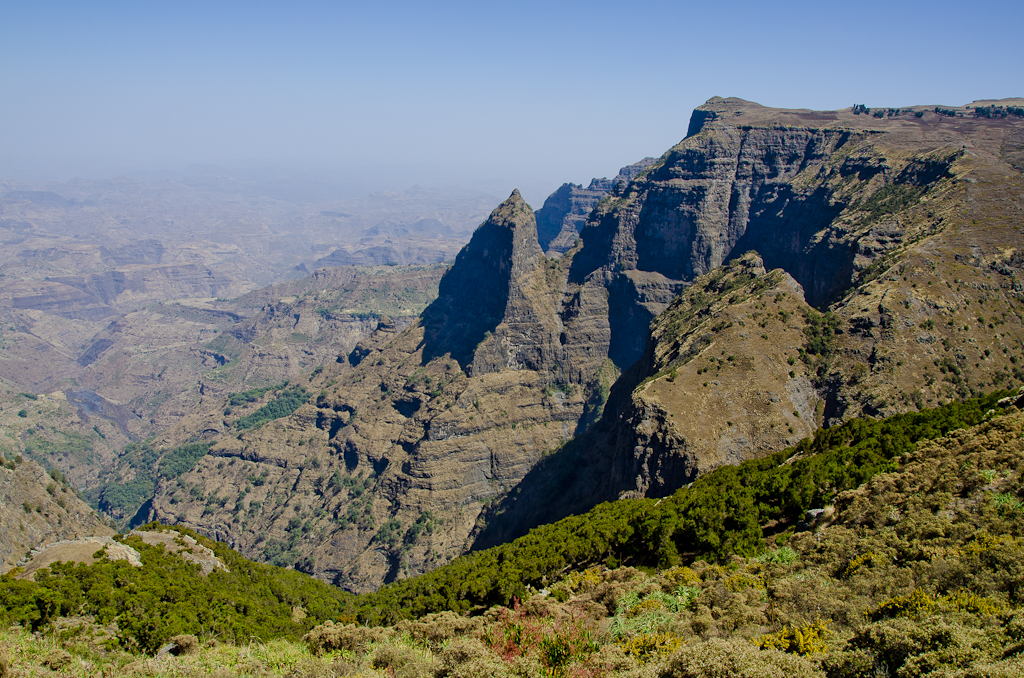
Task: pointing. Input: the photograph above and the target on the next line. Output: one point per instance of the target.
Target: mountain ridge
(417, 444)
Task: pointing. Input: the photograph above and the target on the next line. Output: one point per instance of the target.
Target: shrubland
(169, 596)
(724, 513)
(912, 566)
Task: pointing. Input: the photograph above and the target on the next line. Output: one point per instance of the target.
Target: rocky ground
(37, 509)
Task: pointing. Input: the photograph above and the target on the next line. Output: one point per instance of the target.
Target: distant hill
(176, 362)
(114, 294)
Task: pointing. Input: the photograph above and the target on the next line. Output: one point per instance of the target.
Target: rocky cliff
(896, 286)
(409, 437)
(886, 278)
(566, 210)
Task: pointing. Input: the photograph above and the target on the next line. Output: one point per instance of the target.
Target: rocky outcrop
(565, 211)
(877, 222)
(475, 295)
(527, 338)
(726, 348)
(742, 181)
(412, 434)
(757, 320)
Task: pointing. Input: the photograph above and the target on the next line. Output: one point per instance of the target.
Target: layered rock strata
(901, 233)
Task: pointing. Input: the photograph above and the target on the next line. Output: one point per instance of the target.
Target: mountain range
(775, 272)
(667, 369)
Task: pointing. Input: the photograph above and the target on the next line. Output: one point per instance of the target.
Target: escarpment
(744, 181)
(887, 236)
(774, 272)
(719, 382)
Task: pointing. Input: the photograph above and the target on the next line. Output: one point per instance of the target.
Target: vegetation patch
(917, 571)
(283, 405)
(820, 332)
(182, 459)
(168, 596)
(253, 394)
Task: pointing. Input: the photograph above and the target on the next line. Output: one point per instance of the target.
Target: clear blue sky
(492, 95)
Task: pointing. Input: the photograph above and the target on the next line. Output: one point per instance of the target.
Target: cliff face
(720, 381)
(494, 308)
(566, 210)
(710, 195)
(886, 278)
(897, 286)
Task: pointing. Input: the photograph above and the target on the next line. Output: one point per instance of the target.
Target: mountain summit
(487, 278)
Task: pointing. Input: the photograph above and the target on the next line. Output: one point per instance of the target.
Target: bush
(57, 660)
(437, 629)
(469, 658)
(331, 637)
(402, 660)
(253, 394)
(718, 658)
(916, 647)
(184, 644)
(805, 640)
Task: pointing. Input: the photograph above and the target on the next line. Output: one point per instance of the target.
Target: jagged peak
(513, 213)
(472, 295)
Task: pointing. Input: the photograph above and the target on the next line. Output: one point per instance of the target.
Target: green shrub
(253, 394)
(182, 459)
(806, 640)
(168, 597)
(331, 637)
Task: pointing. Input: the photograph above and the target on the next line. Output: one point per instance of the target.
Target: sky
(484, 95)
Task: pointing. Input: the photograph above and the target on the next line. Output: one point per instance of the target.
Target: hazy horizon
(459, 94)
